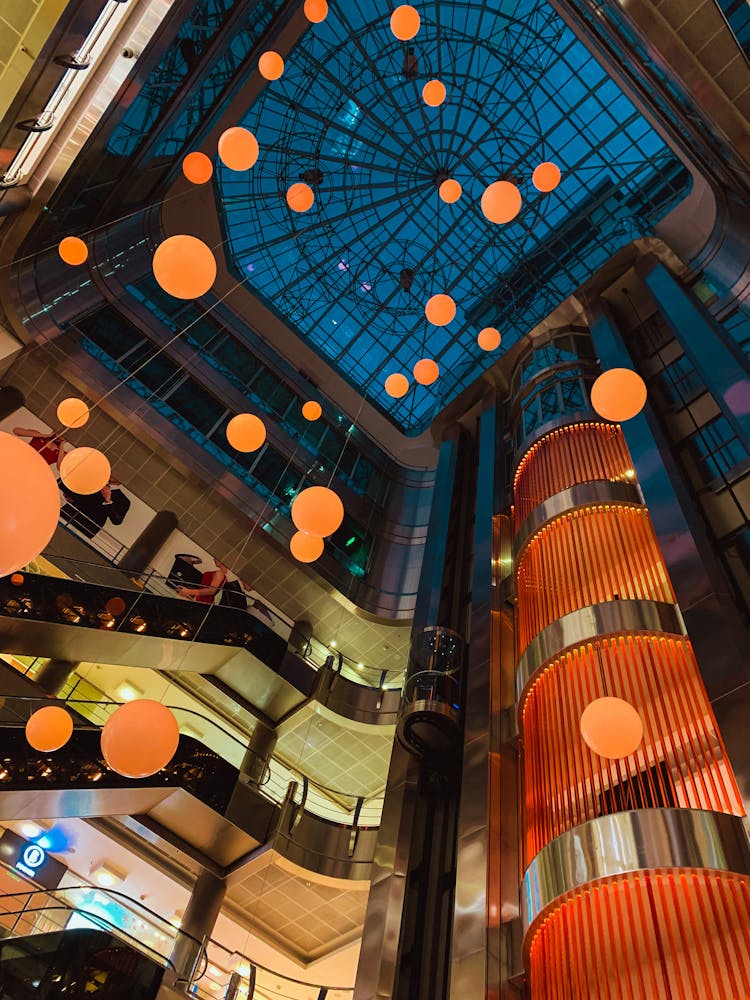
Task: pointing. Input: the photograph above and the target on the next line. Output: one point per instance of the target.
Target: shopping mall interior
(375, 509)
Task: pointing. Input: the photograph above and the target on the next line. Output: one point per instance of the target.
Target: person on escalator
(211, 583)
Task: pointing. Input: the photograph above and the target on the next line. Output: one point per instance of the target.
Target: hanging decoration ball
(405, 22)
(426, 371)
(184, 267)
(317, 511)
(450, 191)
(197, 168)
(440, 310)
(72, 412)
(246, 432)
(501, 202)
(306, 548)
(618, 394)
(546, 177)
(433, 93)
(49, 728)
(115, 606)
(73, 250)
(489, 338)
(397, 385)
(238, 148)
(611, 727)
(312, 410)
(85, 470)
(140, 738)
(17, 579)
(29, 503)
(300, 197)
(316, 10)
(271, 65)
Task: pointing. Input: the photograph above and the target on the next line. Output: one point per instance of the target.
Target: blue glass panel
(352, 275)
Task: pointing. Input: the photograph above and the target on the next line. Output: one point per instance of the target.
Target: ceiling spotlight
(108, 876)
(127, 691)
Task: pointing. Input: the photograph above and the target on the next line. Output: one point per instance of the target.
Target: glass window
(718, 449)
(199, 407)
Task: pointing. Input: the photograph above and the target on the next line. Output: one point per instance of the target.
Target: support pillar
(154, 536)
(196, 928)
(54, 674)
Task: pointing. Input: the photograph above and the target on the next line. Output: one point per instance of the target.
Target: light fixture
(29, 504)
(238, 148)
(72, 250)
(306, 548)
(546, 177)
(426, 371)
(397, 385)
(611, 727)
(197, 167)
(246, 432)
(31, 830)
(271, 65)
(140, 738)
(300, 197)
(440, 310)
(450, 191)
(72, 412)
(489, 338)
(49, 729)
(127, 691)
(107, 876)
(433, 93)
(501, 202)
(618, 394)
(318, 511)
(405, 22)
(85, 470)
(184, 266)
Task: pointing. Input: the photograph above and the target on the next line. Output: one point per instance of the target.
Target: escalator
(80, 964)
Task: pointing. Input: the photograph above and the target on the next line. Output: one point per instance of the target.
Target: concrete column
(54, 674)
(259, 752)
(141, 553)
(11, 399)
(196, 927)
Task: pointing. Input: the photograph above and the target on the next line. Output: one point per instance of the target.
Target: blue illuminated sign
(30, 860)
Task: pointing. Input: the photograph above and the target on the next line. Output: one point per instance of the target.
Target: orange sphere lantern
(238, 148)
(197, 168)
(618, 394)
(184, 267)
(433, 93)
(271, 65)
(312, 410)
(316, 11)
(501, 202)
(17, 579)
(489, 338)
(612, 728)
(440, 310)
(72, 412)
(405, 22)
(546, 177)
(306, 548)
(49, 729)
(426, 371)
(140, 738)
(397, 385)
(29, 504)
(73, 250)
(246, 432)
(300, 197)
(317, 511)
(85, 470)
(450, 191)
(115, 606)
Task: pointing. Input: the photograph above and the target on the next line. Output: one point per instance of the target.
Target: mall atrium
(375, 509)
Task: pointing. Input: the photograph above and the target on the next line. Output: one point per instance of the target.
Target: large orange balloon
(405, 22)
(397, 385)
(501, 202)
(450, 191)
(49, 728)
(72, 412)
(618, 394)
(546, 177)
(246, 432)
(271, 65)
(318, 511)
(238, 148)
(426, 371)
(73, 250)
(300, 197)
(312, 410)
(29, 503)
(85, 470)
(489, 338)
(316, 10)
(306, 548)
(433, 93)
(197, 168)
(440, 310)
(140, 738)
(184, 267)
(611, 727)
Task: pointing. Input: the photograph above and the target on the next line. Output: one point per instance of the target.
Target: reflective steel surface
(596, 620)
(632, 841)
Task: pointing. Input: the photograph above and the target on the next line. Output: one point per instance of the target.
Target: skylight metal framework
(352, 275)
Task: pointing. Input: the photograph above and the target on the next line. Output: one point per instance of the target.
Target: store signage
(30, 860)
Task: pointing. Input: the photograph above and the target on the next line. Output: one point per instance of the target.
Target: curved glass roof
(352, 275)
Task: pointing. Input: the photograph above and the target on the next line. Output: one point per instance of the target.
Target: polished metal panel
(592, 622)
(357, 702)
(644, 839)
(580, 495)
(330, 849)
(561, 420)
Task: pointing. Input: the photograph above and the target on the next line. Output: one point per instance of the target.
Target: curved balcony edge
(593, 622)
(622, 843)
(553, 424)
(596, 492)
